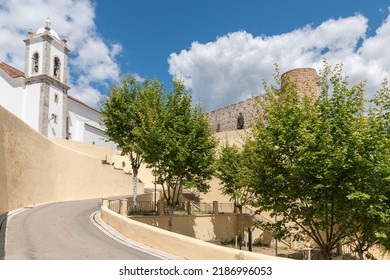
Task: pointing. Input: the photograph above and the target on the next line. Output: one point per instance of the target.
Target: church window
(56, 98)
(35, 63)
(56, 67)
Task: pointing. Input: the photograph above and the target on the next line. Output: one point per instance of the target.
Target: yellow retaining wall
(100, 152)
(176, 244)
(222, 227)
(33, 170)
(4, 205)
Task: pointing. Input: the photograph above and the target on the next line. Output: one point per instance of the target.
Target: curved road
(67, 231)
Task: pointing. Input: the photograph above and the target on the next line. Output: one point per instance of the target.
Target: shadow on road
(3, 225)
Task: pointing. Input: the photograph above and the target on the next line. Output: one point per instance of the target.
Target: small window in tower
(56, 67)
(56, 98)
(35, 63)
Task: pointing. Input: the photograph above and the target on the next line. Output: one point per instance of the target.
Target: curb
(95, 218)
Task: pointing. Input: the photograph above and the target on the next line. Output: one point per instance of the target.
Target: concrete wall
(176, 244)
(100, 152)
(34, 169)
(222, 227)
(144, 173)
(4, 204)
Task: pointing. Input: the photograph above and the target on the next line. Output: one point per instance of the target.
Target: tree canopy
(176, 140)
(121, 116)
(322, 165)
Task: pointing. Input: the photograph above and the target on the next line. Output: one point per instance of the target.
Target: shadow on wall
(224, 229)
(3, 227)
(182, 224)
(227, 227)
(263, 238)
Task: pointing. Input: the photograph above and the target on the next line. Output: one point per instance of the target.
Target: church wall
(85, 125)
(56, 108)
(50, 172)
(31, 105)
(95, 136)
(11, 94)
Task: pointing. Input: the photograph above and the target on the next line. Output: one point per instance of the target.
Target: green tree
(176, 140)
(120, 117)
(372, 224)
(232, 168)
(321, 163)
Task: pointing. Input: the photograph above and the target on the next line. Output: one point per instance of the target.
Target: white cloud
(233, 66)
(86, 94)
(90, 58)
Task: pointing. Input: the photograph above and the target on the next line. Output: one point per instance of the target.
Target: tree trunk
(135, 175)
(242, 221)
(360, 254)
(170, 223)
(325, 253)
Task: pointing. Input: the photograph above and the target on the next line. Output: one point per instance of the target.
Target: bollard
(236, 209)
(215, 207)
(250, 245)
(123, 207)
(189, 208)
(105, 202)
(160, 207)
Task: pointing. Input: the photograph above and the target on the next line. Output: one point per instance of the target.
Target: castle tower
(46, 72)
(305, 80)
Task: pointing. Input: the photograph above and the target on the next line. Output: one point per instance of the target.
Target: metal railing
(142, 207)
(114, 205)
(146, 207)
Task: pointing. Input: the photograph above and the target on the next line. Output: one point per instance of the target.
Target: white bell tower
(46, 71)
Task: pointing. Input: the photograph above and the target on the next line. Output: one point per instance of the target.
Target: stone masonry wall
(225, 119)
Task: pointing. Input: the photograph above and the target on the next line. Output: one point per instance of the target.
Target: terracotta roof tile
(11, 71)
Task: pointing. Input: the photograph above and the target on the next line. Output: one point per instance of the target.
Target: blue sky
(223, 49)
(151, 30)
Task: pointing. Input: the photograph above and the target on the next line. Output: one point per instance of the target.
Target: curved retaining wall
(176, 244)
(33, 169)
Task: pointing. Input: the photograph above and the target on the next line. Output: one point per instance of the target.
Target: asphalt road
(67, 231)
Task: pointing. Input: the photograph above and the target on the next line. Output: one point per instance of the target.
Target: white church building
(39, 95)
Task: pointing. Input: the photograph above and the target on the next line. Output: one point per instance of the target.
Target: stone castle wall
(305, 80)
(225, 119)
